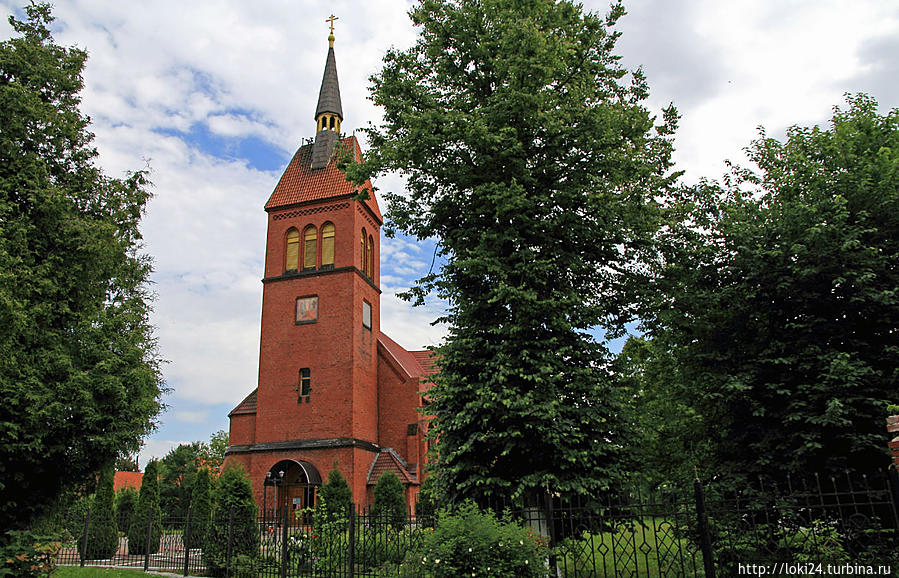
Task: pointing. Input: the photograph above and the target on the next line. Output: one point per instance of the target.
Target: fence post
(351, 547)
(147, 542)
(230, 538)
(185, 541)
(87, 523)
(284, 535)
(894, 494)
(705, 539)
(551, 533)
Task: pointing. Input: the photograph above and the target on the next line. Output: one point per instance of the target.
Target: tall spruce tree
(336, 494)
(146, 523)
(389, 505)
(79, 376)
(125, 504)
(102, 533)
(200, 509)
(532, 162)
(234, 518)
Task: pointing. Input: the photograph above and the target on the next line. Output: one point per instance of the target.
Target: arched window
(371, 256)
(310, 246)
(327, 245)
(362, 261)
(293, 250)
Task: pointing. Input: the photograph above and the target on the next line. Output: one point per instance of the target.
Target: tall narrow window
(371, 256)
(305, 383)
(366, 314)
(310, 245)
(293, 250)
(327, 245)
(362, 260)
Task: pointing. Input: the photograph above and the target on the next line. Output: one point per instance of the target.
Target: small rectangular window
(366, 314)
(305, 382)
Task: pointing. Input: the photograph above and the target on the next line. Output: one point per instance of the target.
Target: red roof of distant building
(300, 183)
(127, 479)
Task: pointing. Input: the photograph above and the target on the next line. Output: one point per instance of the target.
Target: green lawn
(649, 548)
(91, 571)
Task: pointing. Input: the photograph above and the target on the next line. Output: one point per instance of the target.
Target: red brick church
(332, 387)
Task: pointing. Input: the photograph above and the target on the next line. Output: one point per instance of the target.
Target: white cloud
(156, 449)
(410, 327)
(198, 417)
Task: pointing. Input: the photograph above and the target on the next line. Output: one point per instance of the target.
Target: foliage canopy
(532, 162)
(79, 375)
(779, 301)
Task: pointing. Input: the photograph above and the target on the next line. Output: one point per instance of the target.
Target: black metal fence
(833, 525)
(824, 526)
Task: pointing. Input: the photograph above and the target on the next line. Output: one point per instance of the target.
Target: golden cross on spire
(331, 19)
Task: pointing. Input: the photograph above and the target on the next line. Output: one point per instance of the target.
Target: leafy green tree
(79, 374)
(337, 495)
(178, 472)
(212, 454)
(201, 509)
(102, 532)
(532, 162)
(780, 302)
(234, 507)
(125, 505)
(127, 463)
(665, 438)
(146, 524)
(426, 502)
(389, 504)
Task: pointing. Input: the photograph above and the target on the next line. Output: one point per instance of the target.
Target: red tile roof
(402, 357)
(426, 361)
(388, 461)
(127, 479)
(419, 364)
(248, 405)
(302, 184)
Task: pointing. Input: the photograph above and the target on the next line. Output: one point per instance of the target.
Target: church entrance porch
(290, 483)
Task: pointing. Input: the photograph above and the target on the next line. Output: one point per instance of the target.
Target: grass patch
(648, 547)
(90, 571)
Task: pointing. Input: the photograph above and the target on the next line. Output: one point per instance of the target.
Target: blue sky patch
(256, 152)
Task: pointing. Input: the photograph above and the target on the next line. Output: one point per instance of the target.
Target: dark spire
(329, 112)
(329, 95)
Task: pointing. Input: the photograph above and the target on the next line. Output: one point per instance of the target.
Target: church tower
(332, 388)
(317, 390)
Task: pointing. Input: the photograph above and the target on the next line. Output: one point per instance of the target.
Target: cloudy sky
(215, 96)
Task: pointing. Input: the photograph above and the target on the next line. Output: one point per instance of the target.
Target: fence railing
(847, 524)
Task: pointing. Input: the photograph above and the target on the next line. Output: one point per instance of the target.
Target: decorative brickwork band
(367, 217)
(309, 211)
